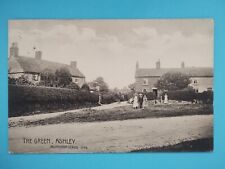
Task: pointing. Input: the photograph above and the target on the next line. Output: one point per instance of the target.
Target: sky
(111, 48)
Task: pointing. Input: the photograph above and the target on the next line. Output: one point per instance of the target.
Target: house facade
(146, 78)
(32, 68)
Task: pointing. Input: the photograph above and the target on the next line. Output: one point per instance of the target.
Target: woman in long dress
(135, 102)
(166, 99)
(145, 101)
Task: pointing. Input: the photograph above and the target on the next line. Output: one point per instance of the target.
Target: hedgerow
(26, 100)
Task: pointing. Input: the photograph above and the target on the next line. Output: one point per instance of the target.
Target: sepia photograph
(110, 85)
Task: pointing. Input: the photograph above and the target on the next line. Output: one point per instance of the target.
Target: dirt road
(110, 136)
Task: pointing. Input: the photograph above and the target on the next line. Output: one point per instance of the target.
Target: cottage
(201, 77)
(31, 68)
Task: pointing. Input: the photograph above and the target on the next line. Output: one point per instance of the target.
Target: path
(49, 115)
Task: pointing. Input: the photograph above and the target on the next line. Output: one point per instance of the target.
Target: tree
(131, 86)
(63, 77)
(85, 87)
(101, 84)
(173, 81)
(48, 77)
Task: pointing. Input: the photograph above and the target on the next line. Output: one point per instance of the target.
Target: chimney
(158, 64)
(182, 65)
(14, 50)
(73, 64)
(38, 55)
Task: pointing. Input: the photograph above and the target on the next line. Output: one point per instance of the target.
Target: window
(76, 80)
(145, 81)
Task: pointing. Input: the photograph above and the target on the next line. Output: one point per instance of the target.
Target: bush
(73, 85)
(11, 80)
(26, 100)
(205, 97)
(109, 97)
(150, 96)
(85, 87)
(182, 95)
(191, 95)
(19, 81)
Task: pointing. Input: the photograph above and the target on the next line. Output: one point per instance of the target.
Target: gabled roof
(33, 65)
(191, 71)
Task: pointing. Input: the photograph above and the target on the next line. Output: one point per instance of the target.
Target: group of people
(140, 101)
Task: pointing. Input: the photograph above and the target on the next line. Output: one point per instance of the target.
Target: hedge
(191, 95)
(26, 100)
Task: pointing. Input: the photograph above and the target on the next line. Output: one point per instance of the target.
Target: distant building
(145, 79)
(31, 68)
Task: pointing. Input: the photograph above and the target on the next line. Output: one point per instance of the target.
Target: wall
(140, 86)
(78, 80)
(202, 83)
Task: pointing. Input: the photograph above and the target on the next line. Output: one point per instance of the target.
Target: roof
(33, 65)
(191, 71)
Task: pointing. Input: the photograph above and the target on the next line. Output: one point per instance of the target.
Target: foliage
(73, 85)
(182, 95)
(19, 81)
(131, 86)
(173, 81)
(150, 96)
(205, 97)
(122, 113)
(26, 100)
(190, 95)
(99, 82)
(63, 77)
(85, 87)
(48, 77)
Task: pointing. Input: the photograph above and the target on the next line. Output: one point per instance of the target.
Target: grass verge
(121, 113)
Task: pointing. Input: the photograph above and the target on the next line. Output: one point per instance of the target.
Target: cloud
(113, 56)
(145, 33)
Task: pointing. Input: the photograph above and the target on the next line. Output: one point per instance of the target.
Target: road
(110, 136)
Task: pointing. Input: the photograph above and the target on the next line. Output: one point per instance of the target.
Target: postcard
(110, 85)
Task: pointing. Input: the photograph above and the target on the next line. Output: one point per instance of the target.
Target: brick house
(146, 78)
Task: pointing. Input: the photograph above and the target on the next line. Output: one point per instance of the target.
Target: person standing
(140, 100)
(166, 98)
(99, 99)
(135, 101)
(145, 101)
